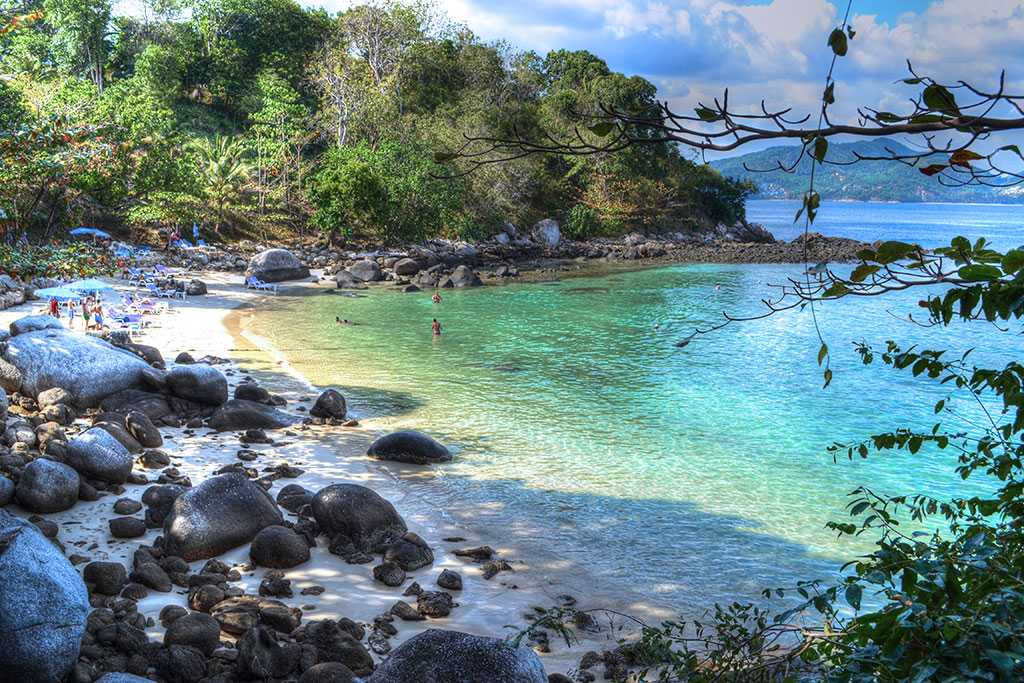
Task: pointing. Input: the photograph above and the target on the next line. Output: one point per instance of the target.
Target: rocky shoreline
(152, 504)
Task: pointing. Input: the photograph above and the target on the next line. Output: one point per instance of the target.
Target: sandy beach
(215, 325)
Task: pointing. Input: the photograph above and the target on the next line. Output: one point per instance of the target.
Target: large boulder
(409, 446)
(366, 270)
(407, 266)
(438, 656)
(200, 383)
(329, 405)
(45, 605)
(89, 368)
(346, 280)
(349, 513)
(237, 415)
(47, 486)
(33, 323)
(222, 513)
(97, 454)
(463, 276)
(276, 265)
(546, 233)
(279, 547)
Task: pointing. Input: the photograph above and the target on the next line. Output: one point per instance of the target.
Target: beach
(215, 325)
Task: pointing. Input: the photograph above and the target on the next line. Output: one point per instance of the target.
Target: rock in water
(330, 404)
(45, 604)
(276, 265)
(89, 368)
(33, 323)
(546, 233)
(359, 515)
(47, 486)
(237, 415)
(199, 383)
(222, 513)
(437, 656)
(409, 446)
(463, 276)
(96, 454)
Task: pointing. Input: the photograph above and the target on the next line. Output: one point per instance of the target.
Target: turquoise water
(689, 475)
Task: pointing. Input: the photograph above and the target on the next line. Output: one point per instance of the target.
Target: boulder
(328, 672)
(278, 547)
(89, 368)
(10, 377)
(292, 497)
(546, 233)
(366, 270)
(159, 500)
(116, 429)
(250, 391)
(409, 446)
(148, 353)
(45, 605)
(195, 629)
(34, 323)
(199, 383)
(262, 658)
(343, 279)
(238, 415)
(47, 486)
(143, 430)
(276, 265)
(410, 552)
(222, 513)
(119, 677)
(329, 405)
(438, 656)
(238, 615)
(196, 287)
(334, 644)
(356, 514)
(96, 454)
(407, 266)
(107, 578)
(463, 276)
(6, 490)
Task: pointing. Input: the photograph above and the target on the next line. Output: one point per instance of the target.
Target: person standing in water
(436, 328)
(437, 297)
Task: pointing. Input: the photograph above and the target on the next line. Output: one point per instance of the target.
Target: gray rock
(463, 276)
(54, 396)
(330, 404)
(107, 578)
(450, 580)
(346, 280)
(276, 265)
(199, 383)
(410, 552)
(195, 629)
(195, 287)
(407, 266)
(96, 454)
(278, 547)
(222, 513)
(159, 500)
(45, 604)
(261, 658)
(437, 656)
(47, 486)
(328, 672)
(334, 644)
(546, 233)
(358, 514)
(119, 677)
(409, 446)
(89, 368)
(33, 323)
(10, 376)
(143, 430)
(237, 415)
(127, 527)
(292, 497)
(250, 391)
(6, 490)
(366, 270)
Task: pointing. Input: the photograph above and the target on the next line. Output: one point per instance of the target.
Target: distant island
(864, 181)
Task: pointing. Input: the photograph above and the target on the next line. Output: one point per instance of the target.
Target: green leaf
(853, 595)
(706, 114)
(837, 41)
(827, 375)
(1011, 148)
(836, 290)
(1013, 261)
(602, 128)
(861, 272)
(820, 149)
(892, 251)
(979, 272)
(830, 94)
(938, 98)
(822, 353)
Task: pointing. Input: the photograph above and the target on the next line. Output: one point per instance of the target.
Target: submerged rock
(409, 446)
(45, 605)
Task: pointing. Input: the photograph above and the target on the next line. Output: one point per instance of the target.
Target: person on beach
(54, 311)
(98, 317)
(71, 315)
(87, 315)
(436, 328)
(437, 297)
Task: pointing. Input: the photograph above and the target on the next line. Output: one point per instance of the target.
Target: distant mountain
(863, 181)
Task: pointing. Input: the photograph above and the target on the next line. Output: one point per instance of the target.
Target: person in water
(436, 328)
(437, 297)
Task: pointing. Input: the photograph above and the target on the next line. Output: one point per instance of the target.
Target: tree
(223, 174)
(80, 36)
(277, 134)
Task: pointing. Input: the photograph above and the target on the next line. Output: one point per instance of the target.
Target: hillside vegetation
(262, 117)
(864, 181)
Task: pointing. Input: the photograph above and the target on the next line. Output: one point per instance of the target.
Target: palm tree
(224, 173)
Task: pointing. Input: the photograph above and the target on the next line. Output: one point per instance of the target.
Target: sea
(684, 475)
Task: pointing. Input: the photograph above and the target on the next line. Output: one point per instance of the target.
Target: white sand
(328, 455)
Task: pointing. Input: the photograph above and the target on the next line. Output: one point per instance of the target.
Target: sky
(773, 49)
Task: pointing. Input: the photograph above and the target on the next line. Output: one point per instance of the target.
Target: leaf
(820, 149)
(827, 375)
(706, 114)
(933, 169)
(853, 595)
(837, 41)
(938, 98)
(980, 272)
(1011, 148)
(1013, 261)
(861, 272)
(822, 353)
(837, 290)
(963, 157)
(830, 94)
(602, 128)
(892, 251)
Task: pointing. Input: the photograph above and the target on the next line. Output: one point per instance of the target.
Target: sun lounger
(256, 283)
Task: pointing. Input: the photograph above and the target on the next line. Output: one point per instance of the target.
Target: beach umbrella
(89, 285)
(94, 232)
(59, 293)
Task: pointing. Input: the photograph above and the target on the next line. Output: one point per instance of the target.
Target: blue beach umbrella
(89, 285)
(59, 293)
(94, 232)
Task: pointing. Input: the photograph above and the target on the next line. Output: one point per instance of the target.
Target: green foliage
(75, 260)
(582, 223)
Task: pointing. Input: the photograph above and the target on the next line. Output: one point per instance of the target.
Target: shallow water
(689, 474)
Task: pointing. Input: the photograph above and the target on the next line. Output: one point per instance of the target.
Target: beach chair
(256, 283)
(158, 292)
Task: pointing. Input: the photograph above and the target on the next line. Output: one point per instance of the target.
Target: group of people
(91, 310)
(435, 326)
